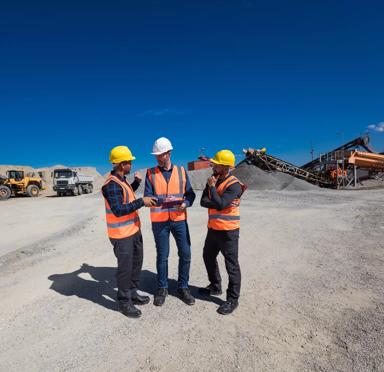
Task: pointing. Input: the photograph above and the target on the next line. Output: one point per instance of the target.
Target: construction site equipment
(367, 160)
(319, 164)
(335, 164)
(69, 182)
(340, 168)
(17, 183)
(270, 163)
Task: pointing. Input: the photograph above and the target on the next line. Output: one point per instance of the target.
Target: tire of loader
(33, 191)
(5, 192)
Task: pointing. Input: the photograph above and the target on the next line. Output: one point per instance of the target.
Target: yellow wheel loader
(16, 183)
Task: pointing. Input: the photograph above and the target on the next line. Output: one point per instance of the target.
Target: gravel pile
(254, 177)
(199, 178)
(259, 179)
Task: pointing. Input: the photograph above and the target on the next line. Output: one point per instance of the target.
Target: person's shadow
(101, 289)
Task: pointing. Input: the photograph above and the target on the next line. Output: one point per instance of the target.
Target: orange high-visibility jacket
(229, 217)
(175, 188)
(124, 226)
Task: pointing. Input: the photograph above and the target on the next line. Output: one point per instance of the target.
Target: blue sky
(79, 77)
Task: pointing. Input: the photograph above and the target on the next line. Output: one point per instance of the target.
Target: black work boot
(211, 290)
(185, 295)
(228, 307)
(139, 300)
(129, 310)
(160, 296)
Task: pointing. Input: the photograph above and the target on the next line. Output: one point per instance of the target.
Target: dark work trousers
(226, 242)
(129, 254)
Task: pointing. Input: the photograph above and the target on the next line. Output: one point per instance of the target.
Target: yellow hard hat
(224, 157)
(119, 154)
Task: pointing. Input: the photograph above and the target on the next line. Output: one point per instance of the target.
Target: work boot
(185, 295)
(140, 300)
(228, 307)
(129, 310)
(211, 290)
(160, 296)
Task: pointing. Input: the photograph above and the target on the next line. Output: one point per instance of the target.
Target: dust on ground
(312, 289)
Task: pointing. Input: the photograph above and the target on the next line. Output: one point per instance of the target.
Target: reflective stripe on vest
(175, 189)
(124, 226)
(229, 217)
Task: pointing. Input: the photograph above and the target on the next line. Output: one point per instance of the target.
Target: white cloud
(379, 127)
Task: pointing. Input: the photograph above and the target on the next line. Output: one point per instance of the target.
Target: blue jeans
(161, 232)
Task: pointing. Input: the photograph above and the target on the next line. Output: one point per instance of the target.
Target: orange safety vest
(229, 217)
(124, 226)
(175, 189)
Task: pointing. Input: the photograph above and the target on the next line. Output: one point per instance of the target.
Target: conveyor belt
(268, 162)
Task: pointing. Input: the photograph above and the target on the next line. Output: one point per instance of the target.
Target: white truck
(70, 182)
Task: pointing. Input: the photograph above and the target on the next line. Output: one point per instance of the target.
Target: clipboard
(171, 204)
(167, 202)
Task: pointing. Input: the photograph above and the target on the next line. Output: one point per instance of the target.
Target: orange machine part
(367, 160)
(198, 164)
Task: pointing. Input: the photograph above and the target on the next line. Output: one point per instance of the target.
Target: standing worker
(170, 185)
(222, 198)
(123, 224)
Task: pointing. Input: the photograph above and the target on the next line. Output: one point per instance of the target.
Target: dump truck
(69, 182)
(17, 183)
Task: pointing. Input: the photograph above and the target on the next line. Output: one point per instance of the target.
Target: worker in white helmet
(170, 185)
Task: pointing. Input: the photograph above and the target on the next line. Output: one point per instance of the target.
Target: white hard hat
(161, 145)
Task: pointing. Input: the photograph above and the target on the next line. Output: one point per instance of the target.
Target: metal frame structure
(269, 163)
(331, 169)
(337, 160)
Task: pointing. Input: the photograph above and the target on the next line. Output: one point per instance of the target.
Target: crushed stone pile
(130, 177)
(254, 177)
(258, 179)
(199, 178)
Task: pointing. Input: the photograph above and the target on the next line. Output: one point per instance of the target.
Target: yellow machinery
(16, 183)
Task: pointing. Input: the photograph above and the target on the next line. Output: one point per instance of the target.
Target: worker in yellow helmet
(222, 198)
(123, 225)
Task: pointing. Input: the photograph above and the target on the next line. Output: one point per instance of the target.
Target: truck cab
(67, 181)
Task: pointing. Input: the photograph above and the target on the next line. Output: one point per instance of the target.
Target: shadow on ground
(101, 289)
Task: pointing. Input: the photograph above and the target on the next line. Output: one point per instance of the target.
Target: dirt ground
(312, 290)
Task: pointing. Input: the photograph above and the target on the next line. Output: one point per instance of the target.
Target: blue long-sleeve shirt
(115, 196)
(189, 194)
